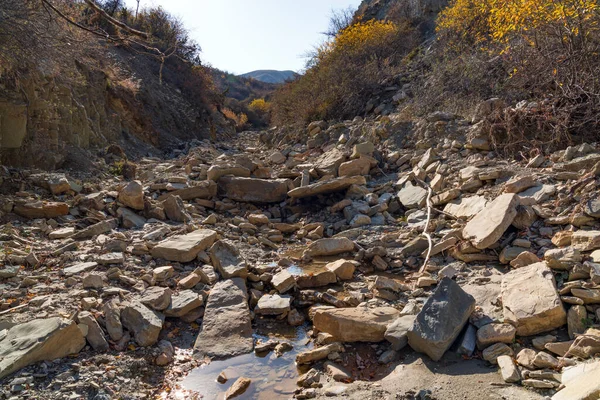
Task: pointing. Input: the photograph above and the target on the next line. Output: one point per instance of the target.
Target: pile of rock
(327, 229)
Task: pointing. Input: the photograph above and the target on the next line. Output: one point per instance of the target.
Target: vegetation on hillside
(344, 71)
(547, 51)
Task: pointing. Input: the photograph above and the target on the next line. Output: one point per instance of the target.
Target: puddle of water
(272, 377)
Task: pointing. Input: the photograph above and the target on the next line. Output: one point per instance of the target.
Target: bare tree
(339, 20)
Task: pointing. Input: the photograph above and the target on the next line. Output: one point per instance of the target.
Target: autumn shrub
(260, 106)
(547, 51)
(240, 120)
(343, 73)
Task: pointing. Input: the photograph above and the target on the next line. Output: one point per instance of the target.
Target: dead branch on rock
(425, 233)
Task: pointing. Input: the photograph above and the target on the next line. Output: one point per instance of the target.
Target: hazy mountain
(270, 76)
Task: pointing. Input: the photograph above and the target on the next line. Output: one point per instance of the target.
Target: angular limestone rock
(466, 207)
(273, 305)
(329, 247)
(186, 247)
(441, 319)
(397, 332)
(355, 324)
(325, 187)
(203, 190)
(586, 240)
(38, 340)
(41, 209)
(226, 329)
(254, 190)
(144, 324)
(226, 258)
(132, 195)
(530, 300)
(487, 227)
(412, 196)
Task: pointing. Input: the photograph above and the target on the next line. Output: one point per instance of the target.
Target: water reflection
(272, 377)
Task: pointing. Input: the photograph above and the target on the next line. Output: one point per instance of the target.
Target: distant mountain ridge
(270, 76)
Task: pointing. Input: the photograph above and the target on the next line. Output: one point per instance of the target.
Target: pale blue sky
(245, 35)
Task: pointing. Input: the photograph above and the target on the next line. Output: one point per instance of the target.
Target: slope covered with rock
(401, 251)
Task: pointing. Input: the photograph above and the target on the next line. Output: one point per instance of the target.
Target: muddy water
(272, 377)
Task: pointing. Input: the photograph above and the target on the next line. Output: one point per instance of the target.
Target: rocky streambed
(347, 260)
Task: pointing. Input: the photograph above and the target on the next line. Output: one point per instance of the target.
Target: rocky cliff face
(412, 9)
(50, 120)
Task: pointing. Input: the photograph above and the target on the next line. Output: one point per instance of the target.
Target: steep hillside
(536, 63)
(270, 76)
(66, 94)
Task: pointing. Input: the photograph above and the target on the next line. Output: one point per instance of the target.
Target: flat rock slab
(486, 296)
(581, 383)
(466, 207)
(530, 300)
(38, 340)
(204, 190)
(325, 187)
(79, 268)
(355, 324)
(254, 190)
(536, 195)
(273, 304)
(586, 240)
(217, 171)
(488, 226)
(226, 329)
(41, 209)
(329, 247)
(186, 247)
(578, 164)
(441, 319)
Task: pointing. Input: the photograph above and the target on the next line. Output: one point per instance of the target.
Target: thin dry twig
(425, 233)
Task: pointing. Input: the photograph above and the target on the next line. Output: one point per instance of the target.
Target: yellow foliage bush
(542, 50)
(240, 120)
(343, 73)
(360, 38)
(478, 21)
(259, 106)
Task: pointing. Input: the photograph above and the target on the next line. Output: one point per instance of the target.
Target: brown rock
(186, 247)
(325, 187)
(132, 195)
(41, 209)
(530, 300)
(254, 190)
(355, 324)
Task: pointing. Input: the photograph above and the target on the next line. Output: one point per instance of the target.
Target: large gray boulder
(38, 340)
(441, 319)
